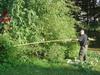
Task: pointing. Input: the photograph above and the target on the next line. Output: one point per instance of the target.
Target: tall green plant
(43, 20)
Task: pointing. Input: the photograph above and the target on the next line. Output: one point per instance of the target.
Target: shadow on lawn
(52, 70)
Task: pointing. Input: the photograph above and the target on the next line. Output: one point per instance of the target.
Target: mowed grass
(43, 67)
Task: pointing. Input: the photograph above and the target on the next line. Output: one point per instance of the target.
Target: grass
(42, 67)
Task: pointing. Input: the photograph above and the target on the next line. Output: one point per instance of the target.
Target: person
(83, 40)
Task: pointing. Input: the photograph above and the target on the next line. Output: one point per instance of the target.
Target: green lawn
(45, 68)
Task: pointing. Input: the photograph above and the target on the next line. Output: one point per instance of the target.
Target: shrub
(5, 46)
(38, 21)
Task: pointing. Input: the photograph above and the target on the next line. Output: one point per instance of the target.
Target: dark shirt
(83, 39)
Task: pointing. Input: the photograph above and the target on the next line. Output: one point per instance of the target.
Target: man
(83, 40)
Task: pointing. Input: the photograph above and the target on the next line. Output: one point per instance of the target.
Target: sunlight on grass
(43, 67)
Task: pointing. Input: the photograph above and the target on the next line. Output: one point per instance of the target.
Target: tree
(90, 18)
(43, 20)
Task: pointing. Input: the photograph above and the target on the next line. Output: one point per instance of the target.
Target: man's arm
(91, 39)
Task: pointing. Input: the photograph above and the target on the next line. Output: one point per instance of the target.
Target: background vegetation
(36, 21)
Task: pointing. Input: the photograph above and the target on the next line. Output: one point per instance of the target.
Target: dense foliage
(38, 21)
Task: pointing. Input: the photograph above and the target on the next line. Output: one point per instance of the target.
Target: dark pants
(83, 53)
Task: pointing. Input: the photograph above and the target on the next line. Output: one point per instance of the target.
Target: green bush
(56, 53)
(5, 46)
(38, 21)
(71, 50)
